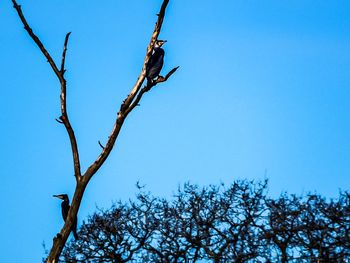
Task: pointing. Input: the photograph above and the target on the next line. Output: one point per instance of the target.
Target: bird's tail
(75, 234)
(74, 230)
(149, 82)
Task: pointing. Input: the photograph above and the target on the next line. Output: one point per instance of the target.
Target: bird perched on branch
(155, 63)
(65, 208)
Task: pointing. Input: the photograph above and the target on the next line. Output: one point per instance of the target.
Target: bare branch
(126, 106)
(162, 79)
(99, 143)
(148, 88)
(37, 40)
(64, 117)
(73, 142)
(59, 121)
(59, 73)
(150, 48)
(64, 52)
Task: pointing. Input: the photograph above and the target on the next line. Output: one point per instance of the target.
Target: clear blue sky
(263, 90)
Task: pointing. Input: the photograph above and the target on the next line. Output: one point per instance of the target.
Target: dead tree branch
(126, 107)
(64, 53)
(99, 143)
(59, 121)
(60, 75)
(148, 88)
(36, 40)
(150, 47)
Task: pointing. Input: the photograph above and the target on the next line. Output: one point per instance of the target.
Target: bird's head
(159, 43)
(63, 197)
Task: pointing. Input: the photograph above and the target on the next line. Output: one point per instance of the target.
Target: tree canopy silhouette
(239, 223)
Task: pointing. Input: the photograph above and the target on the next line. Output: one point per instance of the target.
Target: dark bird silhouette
(65, 208)
(155, 63)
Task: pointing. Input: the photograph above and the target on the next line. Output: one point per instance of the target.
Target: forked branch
(127, 106)
(147, 88)
(60, 75)
(130, 102)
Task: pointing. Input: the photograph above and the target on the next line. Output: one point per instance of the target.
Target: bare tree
(130, 102)
(239, 223)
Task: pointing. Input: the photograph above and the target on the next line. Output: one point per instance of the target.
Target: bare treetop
(130, 102)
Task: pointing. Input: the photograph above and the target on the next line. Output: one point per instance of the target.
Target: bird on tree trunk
(155, 63)
(65, 208)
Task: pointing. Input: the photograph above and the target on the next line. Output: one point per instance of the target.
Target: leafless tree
(327, 235)
(130, 102)
(217, 224)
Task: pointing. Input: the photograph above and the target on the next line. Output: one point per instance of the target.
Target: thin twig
(59, 121)
(64, 52)
(37, 40)
(99, 143)
(162, 79)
